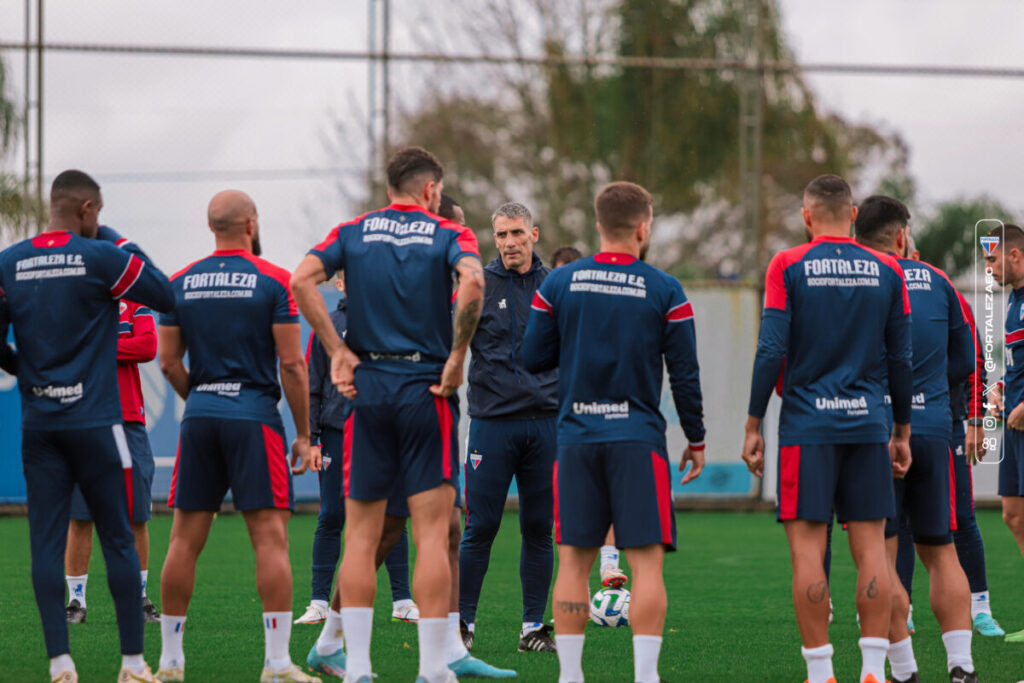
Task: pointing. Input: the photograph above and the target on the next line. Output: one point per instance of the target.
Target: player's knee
(481, 530)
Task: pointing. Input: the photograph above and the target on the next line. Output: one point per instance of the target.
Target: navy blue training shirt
(1014, 377)
(943, 346)
(227, 305)
(837, 316)
(398, 263)
(606, 322)
(62, 293)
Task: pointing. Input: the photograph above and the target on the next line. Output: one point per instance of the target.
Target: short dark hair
(409, 165)
(72, 182)
(879, 218)
(447, 207)
(831, 192)
(565, 255)
(621, 205)
(1009, 235)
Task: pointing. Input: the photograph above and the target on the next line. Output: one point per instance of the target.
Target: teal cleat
(985, 625)
(910, 624)
(471, 667)
(332, 664)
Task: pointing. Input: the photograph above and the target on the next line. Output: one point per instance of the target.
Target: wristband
(975, 422)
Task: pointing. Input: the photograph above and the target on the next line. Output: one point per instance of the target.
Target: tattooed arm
(468, 306)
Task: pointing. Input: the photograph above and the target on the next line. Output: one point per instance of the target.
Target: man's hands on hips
(343, 370)
(451, 376)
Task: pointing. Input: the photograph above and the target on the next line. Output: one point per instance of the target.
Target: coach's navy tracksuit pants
(327, 540)
(497, 451)
(95, 459)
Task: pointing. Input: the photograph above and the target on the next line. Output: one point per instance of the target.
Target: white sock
(322, 604)
(135, 663)
(645, 658)
(172, 636)
(277, 631)
(455, 647)
(332, 637)
(76, 588)
(901, 659)
(570, 657)
(144, 574)
(958, 650)
(609, 558)
(433, 633)
(819, 663)
(60, 664)
(980, 605)
(873, 651)
(358, 625)
(530, 627)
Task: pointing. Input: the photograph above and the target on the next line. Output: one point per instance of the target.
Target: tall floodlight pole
(751, 114)
(39, 117)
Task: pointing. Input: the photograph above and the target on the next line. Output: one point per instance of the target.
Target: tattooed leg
(571, 599)
(810, 587)
(874, 587)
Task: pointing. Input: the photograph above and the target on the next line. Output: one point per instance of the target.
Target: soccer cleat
(613, 577)
(538, 641)
(409, 613)
(831, 611)
(67, 677)
(910, 624)
(332, 664)
(471, 667)
(914, 678)
(467, 635)
(958, 675)
(174, 673)
(314, 614)
(985, 625)
(831, 680)
(361, 679)
(870, 678)
(75, 612)
(292, 674)
(150, 614)
(129, 676)
(1017, 637)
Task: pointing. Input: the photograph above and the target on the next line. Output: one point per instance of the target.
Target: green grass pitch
(730, 617)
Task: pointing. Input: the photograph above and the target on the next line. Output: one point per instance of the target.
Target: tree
(17, 210)
(550, 136)
(949, 236)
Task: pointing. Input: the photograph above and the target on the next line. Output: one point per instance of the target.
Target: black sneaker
(150, 614)
(958, 675)
(467, 635)
(538, 641)
(914, 678)
(75, 612)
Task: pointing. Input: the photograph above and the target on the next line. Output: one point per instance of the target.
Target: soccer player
(606, 322)
(1006, 261)
(564, 255)
(328, 411)
(838, 316)
(62, 290)
(136, 343)
(943, 353)
(401, 361)
(236, 319)
(511, 432)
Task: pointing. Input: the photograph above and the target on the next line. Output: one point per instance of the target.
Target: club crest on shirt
(475, 458)
(502, 305)
(1021, 312)
(326, 461)
(123, 307)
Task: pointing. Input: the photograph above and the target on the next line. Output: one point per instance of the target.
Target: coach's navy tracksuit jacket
(512, 433)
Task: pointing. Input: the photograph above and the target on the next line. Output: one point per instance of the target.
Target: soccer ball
(610, 607)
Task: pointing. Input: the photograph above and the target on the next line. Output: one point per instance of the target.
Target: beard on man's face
(256, 249)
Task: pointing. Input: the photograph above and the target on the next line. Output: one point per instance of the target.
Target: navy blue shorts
(332, 443)
(963, 474)
(624, 483)
(925, 497)
(1011, 464)
(404, 448)
(247, 456)
(142, 478)
(854, 480)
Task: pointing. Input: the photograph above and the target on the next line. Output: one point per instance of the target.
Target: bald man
(236, 317)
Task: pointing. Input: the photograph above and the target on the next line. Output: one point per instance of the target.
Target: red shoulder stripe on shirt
(128, 277)
(541, 304)
(54, 238)
(278, 274)
(332, 236)
(466, 237)
(680, 313)
(775, 295)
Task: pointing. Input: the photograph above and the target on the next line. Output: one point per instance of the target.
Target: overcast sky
(116, 116)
